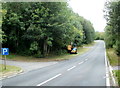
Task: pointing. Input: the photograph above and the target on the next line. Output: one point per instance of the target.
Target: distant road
(83, 70)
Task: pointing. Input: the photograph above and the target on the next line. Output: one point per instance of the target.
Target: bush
(60, 52)
(11, 56)
(38, 55)
(117, 47)
(117, 74)
(25, 53)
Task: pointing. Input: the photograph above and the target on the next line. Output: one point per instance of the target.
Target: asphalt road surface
(28, 66)
(87, 69)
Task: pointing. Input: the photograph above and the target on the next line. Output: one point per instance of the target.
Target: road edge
(21, 72)
(109, 72)
(13, 75)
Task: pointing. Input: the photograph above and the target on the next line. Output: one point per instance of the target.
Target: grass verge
(113, 58)
(117, 75)
(114, 61)
(65, 56)
(10, 70)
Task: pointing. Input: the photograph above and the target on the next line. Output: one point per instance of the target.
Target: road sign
(5, 51)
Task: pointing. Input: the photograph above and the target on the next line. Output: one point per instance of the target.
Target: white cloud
(91, 10)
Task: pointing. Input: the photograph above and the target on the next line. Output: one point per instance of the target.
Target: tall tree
(113, 21)
(41, 28)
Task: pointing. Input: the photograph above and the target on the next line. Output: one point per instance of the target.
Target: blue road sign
(5, 51)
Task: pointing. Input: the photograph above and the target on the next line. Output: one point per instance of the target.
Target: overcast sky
(91, 10)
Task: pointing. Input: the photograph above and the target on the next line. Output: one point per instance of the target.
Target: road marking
(81, 62)
(86, 59)
(49, 80)
(71, 68)
(107, 72)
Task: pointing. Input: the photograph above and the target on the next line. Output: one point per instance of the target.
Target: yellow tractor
(72, 49)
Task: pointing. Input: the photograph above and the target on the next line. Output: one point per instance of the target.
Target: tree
(113, 20)
(89, 32)
(42, 28)
(99, 36)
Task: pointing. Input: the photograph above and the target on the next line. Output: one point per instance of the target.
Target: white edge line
(71, 68)
(107, 72)
(112, 75)
(49, 79)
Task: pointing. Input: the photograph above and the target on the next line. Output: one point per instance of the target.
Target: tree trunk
(45, 48)
(48, 50)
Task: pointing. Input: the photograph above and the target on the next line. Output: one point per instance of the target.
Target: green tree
(99, 36)
(113, 20)
(42, 28)
(89, 32)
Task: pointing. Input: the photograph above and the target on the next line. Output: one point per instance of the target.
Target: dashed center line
(49, 80)
(59, 74)
(81, 62)
(71, 68)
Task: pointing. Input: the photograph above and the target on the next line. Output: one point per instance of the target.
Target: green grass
(114, 61)
(10, 56)
(65, 56)
(117, 75)
(9, 70)
(113, 58)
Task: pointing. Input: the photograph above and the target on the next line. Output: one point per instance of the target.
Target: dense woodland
(112, 30)
(99, 35)
(41, 28)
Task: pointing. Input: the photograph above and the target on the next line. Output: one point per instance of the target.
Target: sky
(91, 10)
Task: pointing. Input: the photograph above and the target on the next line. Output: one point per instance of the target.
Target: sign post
(5, 51)
(5, 63)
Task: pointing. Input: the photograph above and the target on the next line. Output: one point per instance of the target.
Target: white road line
(86, 59)
(49, 80)
(81, 62)
(107, 72)
(71, 68)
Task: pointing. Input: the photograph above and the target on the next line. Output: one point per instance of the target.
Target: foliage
(42, 28)
(99, 35)
(2, 36)
(113, 58)
(112, 30)
(89, 32)
(117, 75)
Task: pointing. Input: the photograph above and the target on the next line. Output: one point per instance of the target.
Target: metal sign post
(5, 63)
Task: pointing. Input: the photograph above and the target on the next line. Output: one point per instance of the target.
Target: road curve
(87, 69)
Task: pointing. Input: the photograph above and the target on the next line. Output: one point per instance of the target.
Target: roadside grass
(114, 61)
(65, 56)
(117, 75)
(10, 70)
(113, 58)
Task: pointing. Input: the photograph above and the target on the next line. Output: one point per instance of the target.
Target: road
(87, 69)
(28, 66)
